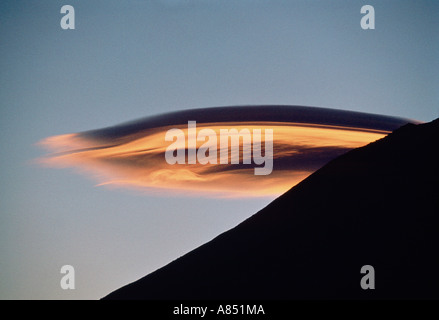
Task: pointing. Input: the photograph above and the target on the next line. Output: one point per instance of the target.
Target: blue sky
(139, 58)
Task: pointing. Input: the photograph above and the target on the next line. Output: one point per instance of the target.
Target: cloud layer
(132, 155)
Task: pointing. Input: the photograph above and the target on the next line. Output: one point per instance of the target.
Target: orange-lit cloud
(133, 155)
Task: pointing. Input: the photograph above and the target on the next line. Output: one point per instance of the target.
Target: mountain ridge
(376, 205)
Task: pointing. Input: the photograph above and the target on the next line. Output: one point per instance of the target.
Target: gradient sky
(131, 59)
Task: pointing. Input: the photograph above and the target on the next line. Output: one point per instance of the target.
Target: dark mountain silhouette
(377, 205)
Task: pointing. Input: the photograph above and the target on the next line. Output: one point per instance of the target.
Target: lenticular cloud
(132, 155)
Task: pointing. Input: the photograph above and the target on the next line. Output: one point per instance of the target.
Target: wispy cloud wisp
(132, 155)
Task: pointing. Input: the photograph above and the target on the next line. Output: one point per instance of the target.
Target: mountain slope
(377, 205)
